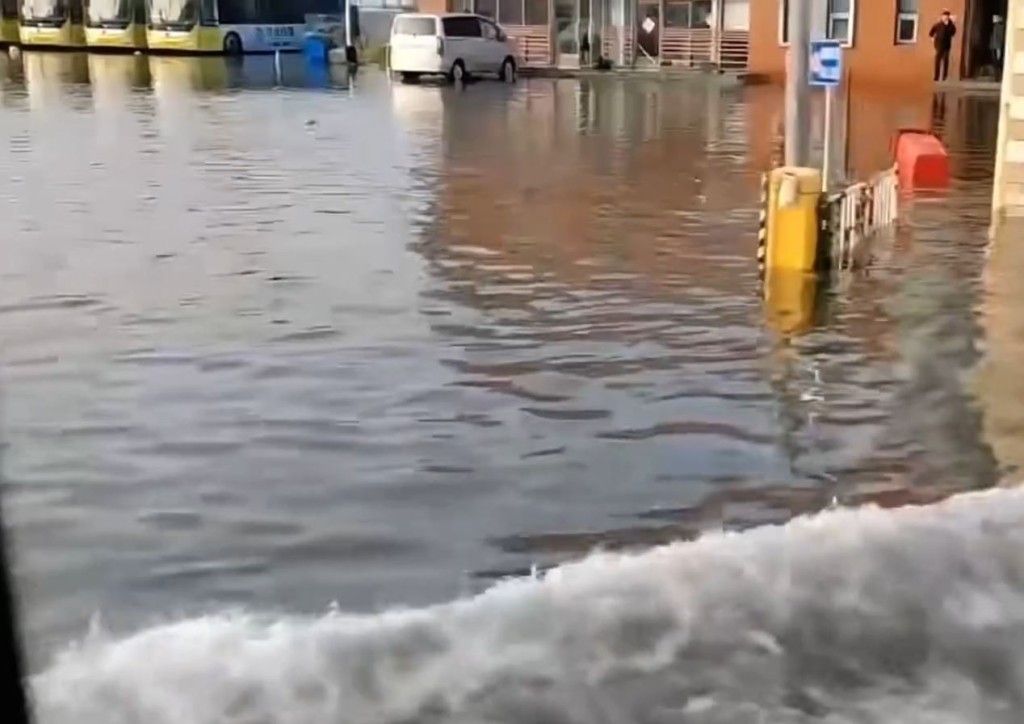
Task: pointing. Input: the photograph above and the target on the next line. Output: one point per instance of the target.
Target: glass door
(648, 33)
(586, 34)
(567, 29)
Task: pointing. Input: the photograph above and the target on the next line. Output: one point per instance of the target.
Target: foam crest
(866, 615)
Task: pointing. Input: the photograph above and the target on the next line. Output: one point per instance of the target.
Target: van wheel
(508, 70)
(233, 44)
(410, 77)
(458, 72)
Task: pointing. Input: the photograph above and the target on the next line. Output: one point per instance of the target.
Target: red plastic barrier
(922, 160)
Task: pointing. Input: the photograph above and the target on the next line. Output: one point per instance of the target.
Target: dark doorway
(977, 62)
(648, 33)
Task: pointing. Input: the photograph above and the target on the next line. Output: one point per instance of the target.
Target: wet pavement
(373, 345)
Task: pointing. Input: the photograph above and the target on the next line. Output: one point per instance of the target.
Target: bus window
(283, 12)
(43, 9)
(208, 13)
(238, 12)
(231, 11)
(323, 7)
(166, 14)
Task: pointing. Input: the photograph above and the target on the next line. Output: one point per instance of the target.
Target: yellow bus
(9, 32)
(52, 23)
(115, 24)
(232, 27)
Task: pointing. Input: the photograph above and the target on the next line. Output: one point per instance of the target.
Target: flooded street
(272, 351)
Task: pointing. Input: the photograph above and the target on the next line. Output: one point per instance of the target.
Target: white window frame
(903, 15)
(900, 17)
(851, 23)
(783, 12)
(816, 32)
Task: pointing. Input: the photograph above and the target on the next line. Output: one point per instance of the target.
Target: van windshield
(415, 26)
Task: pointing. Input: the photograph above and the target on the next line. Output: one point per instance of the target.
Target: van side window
(462, 27)
(414, 26)
(489, 31)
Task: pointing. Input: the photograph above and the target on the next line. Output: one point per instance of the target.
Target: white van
(456, 45)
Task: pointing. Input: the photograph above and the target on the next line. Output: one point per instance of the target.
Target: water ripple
(250, 360)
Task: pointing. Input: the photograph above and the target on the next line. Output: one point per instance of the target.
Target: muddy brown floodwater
(269, 352)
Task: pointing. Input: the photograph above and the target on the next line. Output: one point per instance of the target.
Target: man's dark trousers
(941, 64)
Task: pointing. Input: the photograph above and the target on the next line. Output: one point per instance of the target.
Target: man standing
(942, 35)
(997, 44)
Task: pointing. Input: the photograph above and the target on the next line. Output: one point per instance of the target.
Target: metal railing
(859, 211)
(712, 48)
(705, 47)
(533, 41)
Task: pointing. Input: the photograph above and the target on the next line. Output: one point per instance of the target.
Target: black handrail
(11, 665)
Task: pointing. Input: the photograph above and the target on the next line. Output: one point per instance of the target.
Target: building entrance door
(577, 32)
(567, 33)
(648, 33)
(975, 37)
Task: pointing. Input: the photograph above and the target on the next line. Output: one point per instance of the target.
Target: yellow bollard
(791, 301)
(793, 194)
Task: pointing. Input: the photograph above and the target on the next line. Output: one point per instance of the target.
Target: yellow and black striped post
(762, 227)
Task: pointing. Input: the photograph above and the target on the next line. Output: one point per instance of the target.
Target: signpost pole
(798, 93)
(826, 160)
(825, 70)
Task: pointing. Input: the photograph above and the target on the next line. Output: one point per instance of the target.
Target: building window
(690, 14)
(839, 25)
(906, 22)
(536, 12)
(506, 12)
(510, 12)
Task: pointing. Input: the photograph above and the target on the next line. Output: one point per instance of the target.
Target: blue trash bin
(316, 48)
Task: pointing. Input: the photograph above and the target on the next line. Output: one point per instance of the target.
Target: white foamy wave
(907, 616)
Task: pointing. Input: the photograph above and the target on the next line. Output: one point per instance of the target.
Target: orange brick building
(886, 41)
(640, 33)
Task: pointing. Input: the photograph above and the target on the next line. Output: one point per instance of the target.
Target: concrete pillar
(717, 12)
(1008, 187)
(798, 93)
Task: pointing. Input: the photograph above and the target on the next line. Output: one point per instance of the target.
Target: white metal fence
(863, 209)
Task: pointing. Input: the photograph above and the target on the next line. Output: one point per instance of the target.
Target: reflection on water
(997, 382)
(50, 75)
(381, 346)
(117, 76)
